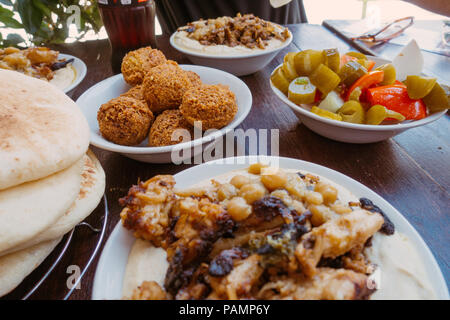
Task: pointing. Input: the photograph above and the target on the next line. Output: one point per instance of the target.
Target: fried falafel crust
(124, 120)
(135, 92)
(137, 63)
(165, 126)
(195, 78)
(164, 86)
(214, 105)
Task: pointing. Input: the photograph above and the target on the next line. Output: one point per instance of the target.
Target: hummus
(64, 77)
(399, 271)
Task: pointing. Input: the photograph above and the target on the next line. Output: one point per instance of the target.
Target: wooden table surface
(411, 171)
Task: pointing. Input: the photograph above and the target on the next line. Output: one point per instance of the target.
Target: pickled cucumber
(332, 59)
(307, 61)
(324, 79)
(437, 100)
(351, 71)
(418, 87)
(288, 66)
(280, 81)
(301, 91)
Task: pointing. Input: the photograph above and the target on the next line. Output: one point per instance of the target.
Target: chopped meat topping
(246, 30)
(388, 227)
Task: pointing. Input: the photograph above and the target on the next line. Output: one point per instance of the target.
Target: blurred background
(24, 22)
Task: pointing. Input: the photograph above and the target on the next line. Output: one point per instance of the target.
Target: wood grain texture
(410, 171)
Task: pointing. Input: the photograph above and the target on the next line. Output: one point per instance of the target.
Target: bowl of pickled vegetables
(356, 98)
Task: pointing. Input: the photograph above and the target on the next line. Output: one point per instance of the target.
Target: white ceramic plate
(351, 132)
(111, 266)
(94, 97)
(80, 69)
(237, 64)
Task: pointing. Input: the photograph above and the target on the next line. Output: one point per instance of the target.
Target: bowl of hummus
(61, 70)
(277, 229)
(240, 45)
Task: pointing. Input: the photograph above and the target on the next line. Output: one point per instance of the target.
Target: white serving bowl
(91, 100)
(239, 65)
(113, 260)
(351, 132)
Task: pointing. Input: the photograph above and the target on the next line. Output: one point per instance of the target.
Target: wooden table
(410, 171)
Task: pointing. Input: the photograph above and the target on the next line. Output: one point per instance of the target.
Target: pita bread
(17, 266)
(30, 208)
(91, 191)
(145, 263)
(42, 131)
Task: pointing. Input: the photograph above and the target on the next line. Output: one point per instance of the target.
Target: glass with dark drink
(130, 25)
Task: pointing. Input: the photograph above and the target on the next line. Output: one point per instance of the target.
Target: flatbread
(17, 266)
(42, 131)
(30, 208)
(145, 263)
(91, 191)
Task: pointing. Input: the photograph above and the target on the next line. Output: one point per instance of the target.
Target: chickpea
(313, 197)
(283, 195)
(252, 192)
(274, 181)
(238, 208)
(226, 191)
(340, 208)
(328, 192)
(239, 180)
(320, 214)
(256, 168)
(298, 206)
(295, 186)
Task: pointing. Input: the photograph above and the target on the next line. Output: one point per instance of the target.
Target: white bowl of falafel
(157, 111)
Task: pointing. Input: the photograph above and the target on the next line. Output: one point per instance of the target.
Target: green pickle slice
(307, 61)
(280, 81)
(418, 86)
(378, 113)
(437, 100)
(332, 59)
(389, 73)
(351, 71)
(352, 111)
(301, 91)
(324, 79)
(288, 66)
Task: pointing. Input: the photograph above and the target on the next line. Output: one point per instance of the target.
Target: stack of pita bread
(49, 180)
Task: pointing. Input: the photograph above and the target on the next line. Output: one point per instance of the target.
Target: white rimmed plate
(111, 266)
(80, 69)
(91, 100)
(351, 132)
(237, 64)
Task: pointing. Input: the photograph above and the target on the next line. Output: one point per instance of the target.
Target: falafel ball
(137, 63)
(164, 86)
(124, 120)
(165, 125)
(214, 105)
(136, 93)
(195, 78)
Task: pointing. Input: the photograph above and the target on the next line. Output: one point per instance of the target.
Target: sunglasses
(388, 32)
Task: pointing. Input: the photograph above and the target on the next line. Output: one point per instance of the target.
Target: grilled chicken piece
(147, 208)
(336, 237)
(239, 282)
(149, 290)
(327, 284)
